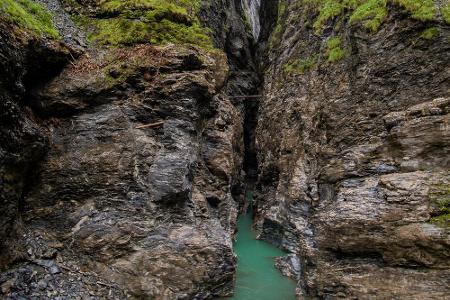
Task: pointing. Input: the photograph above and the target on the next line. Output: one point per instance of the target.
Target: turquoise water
(257, 278)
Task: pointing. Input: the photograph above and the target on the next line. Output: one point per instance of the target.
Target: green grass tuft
(440, 194)
(423, 10)
(371, 13)
(334, 50)
(29, 15)
(429, 33)
(300, 66)
(445, 11)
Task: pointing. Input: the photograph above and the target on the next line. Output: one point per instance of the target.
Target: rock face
(118, 168)
(144, 209)
(354, 157)
(25, 62)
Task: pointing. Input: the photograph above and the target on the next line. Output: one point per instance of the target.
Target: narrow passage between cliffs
(257, 277)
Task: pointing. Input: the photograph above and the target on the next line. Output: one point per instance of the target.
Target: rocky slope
(121, 162)
(353, 148)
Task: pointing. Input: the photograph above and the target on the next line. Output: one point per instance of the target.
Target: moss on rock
(423, 10)
(278, 27)
(445, 11)
(371, 13)
(147, 21)
(429, 33)
(29, 16)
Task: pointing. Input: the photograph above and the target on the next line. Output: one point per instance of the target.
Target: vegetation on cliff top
(157, 22)
(30, 16)
(371, 13)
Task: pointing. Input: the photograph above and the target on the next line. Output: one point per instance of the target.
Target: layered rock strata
(353, 149)
(121, 166)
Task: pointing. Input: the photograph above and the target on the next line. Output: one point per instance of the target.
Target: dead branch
(151, 125)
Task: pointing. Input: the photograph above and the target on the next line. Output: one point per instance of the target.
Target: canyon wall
(353, 147)
(121, 161)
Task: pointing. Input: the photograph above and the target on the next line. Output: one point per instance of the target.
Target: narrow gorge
(198, 149)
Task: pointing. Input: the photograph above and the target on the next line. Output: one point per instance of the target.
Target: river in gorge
(257, 278)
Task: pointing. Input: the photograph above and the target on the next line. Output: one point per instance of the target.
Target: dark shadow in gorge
(251, 106)
(268, 20)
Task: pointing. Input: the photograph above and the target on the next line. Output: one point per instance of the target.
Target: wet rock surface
(353, 159)
(69, 31)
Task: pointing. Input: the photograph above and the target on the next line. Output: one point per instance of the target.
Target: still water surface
(257, 278)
